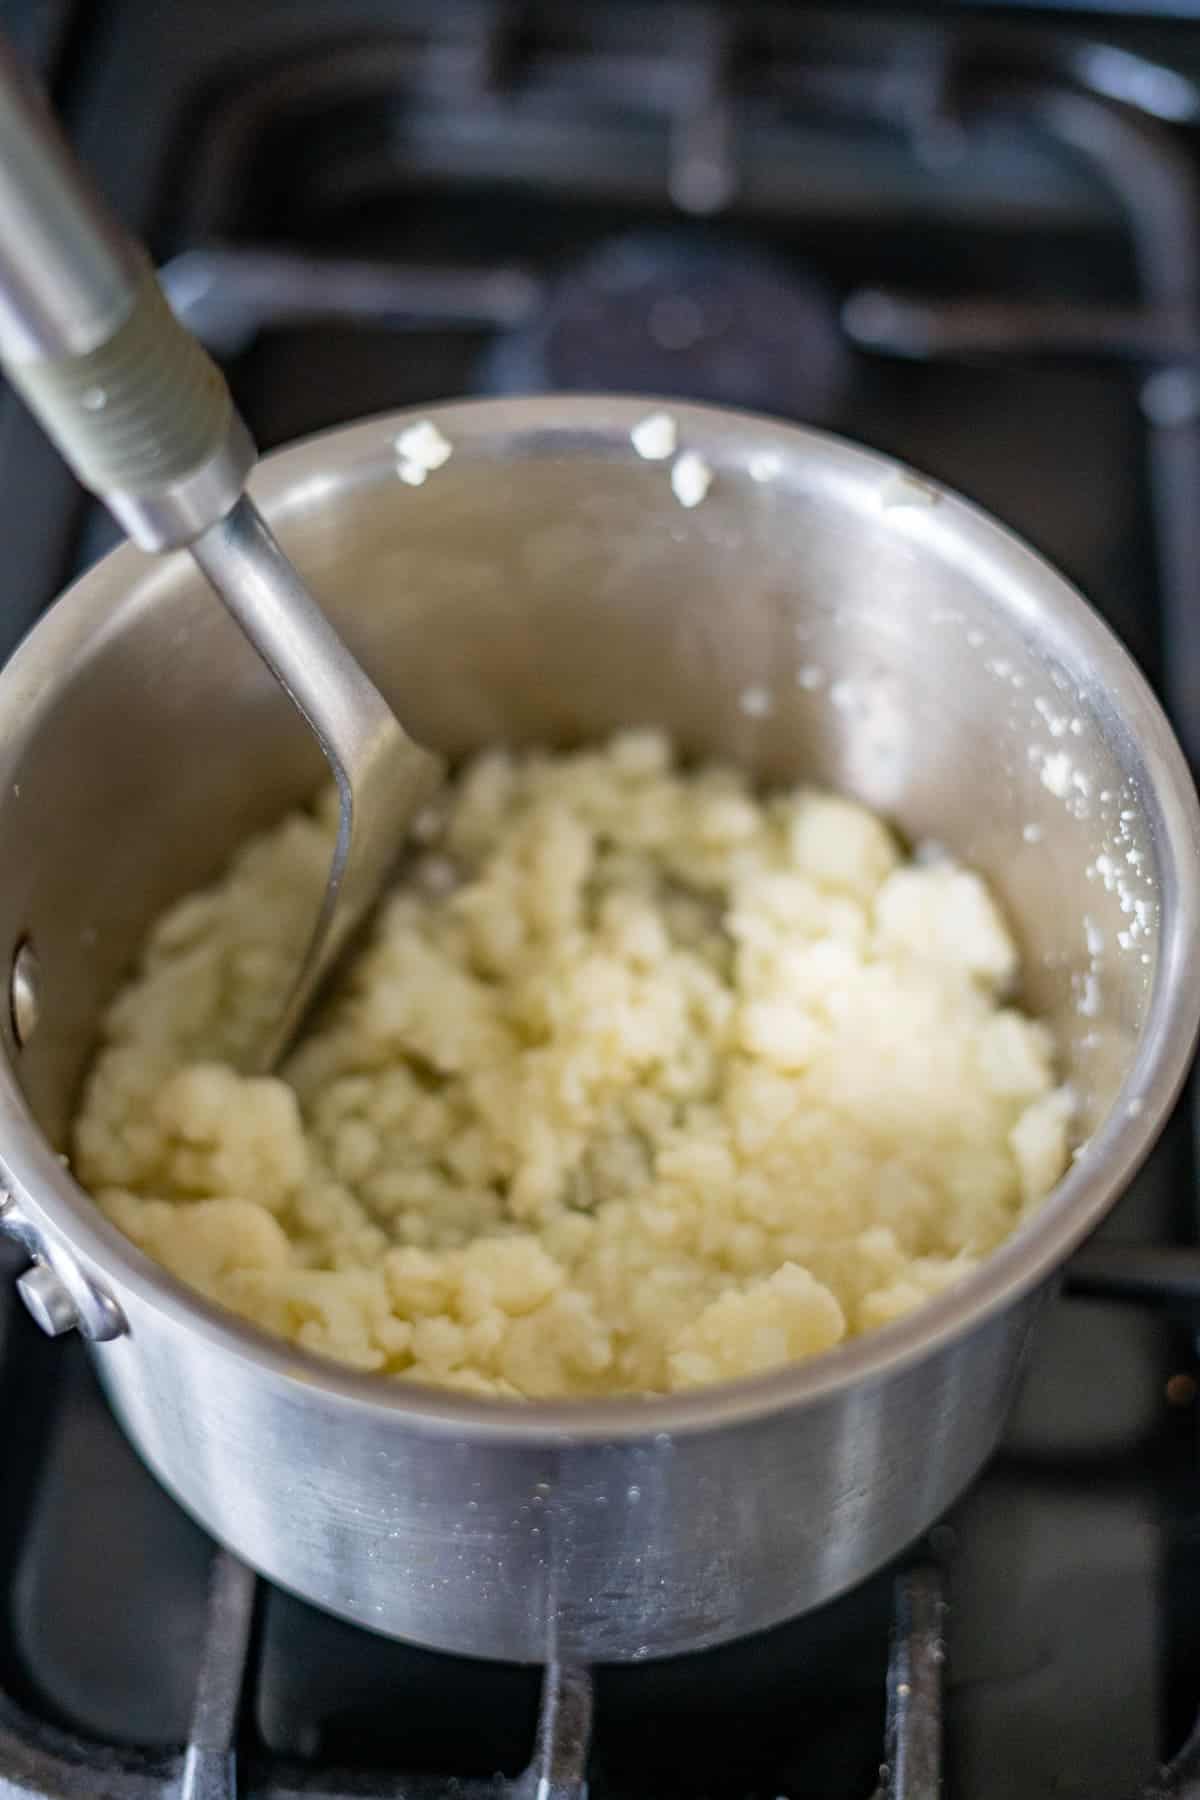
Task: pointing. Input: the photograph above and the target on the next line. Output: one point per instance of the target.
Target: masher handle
(133, 402)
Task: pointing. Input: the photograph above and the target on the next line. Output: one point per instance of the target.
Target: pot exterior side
(581, 1551)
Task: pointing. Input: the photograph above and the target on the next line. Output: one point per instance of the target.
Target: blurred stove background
(969, 236)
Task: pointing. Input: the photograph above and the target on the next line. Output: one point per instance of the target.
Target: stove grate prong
(912, 1768)
(210, 1760)
(559, 1770)
(1180, 1779)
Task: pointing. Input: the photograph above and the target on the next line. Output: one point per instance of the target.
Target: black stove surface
(973, 243)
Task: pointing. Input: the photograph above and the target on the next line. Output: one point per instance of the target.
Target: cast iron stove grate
(39, 1760)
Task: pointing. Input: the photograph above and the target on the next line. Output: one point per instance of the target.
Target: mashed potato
(642, 1082)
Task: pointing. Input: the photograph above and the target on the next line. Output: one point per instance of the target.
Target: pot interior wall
(550, 588)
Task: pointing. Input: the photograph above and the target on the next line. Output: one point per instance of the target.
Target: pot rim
(50, 1200)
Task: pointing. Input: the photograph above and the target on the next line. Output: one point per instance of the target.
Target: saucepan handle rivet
(24, 992)
(47, 1300)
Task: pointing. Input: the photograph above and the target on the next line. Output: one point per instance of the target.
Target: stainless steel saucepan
(548, 584)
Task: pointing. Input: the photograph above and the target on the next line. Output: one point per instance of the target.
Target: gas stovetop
(973, 242)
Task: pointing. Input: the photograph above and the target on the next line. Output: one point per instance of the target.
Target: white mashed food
(643, 1081)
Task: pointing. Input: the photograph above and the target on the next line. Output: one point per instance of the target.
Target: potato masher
(146, 421)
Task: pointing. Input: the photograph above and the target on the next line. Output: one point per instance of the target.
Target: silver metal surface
(135, 405)
(545, 585)
(68, 275)
(59, 1295)
(381, 775)
(24, 993)
(47, 1301)
(173, 513)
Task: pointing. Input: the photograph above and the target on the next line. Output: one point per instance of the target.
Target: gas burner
(700, 318)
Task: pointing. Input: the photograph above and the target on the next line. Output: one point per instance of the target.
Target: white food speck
(1056, 775)
(437, 875)
(1056, 725)
(810, 677)
(1089, 999)
(411, 472)
(1136, 1107)
(903, 489)
(1032, 834)
(764, 465)
(424, 445)
(655, 436)
(755, 702)
(691, 478)
(1093, 937)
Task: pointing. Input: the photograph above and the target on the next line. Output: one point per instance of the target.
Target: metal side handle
(56, 1293)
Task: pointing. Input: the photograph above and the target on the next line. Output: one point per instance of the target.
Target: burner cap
(698, 319)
